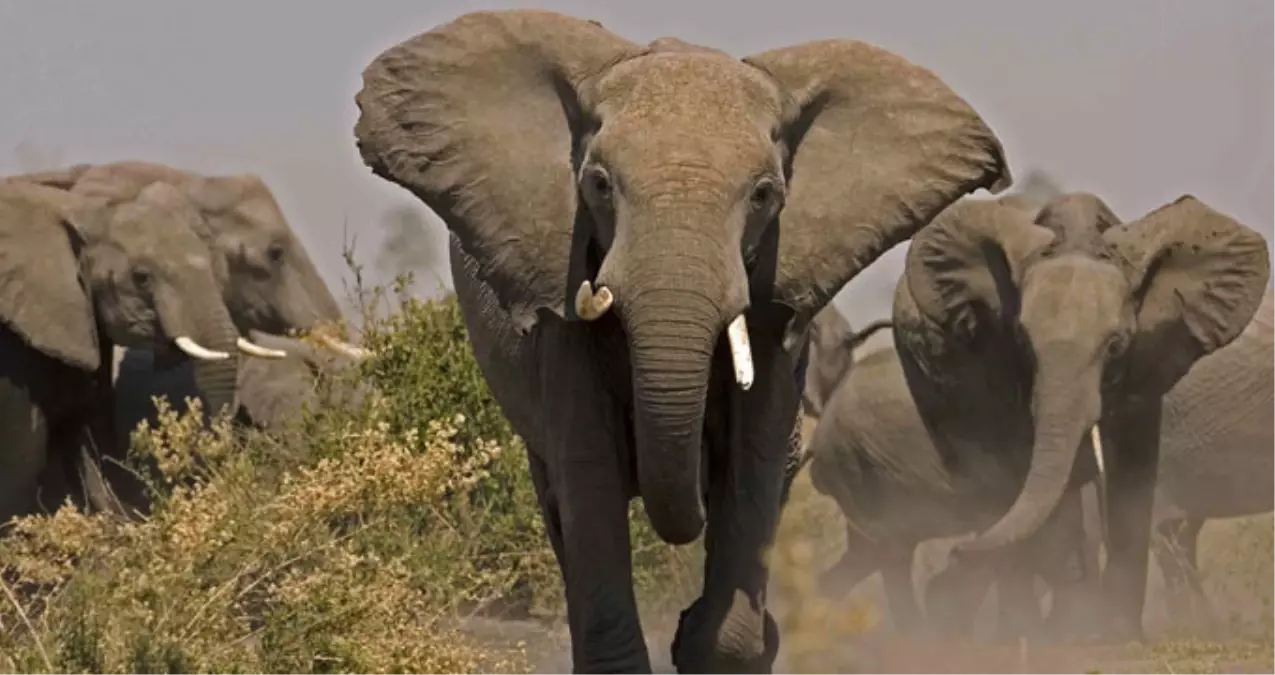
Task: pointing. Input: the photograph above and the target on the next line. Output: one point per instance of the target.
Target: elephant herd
(643, 241)
(127, 280)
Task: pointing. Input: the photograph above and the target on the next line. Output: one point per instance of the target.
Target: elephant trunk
(1066, 404)
(674, 305)
(204, 331)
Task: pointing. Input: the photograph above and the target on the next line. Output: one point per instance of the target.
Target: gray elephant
(641, 235)
(273, 393)
(831, 355)
(870, 453)
(1016, 338)
(267, 279)
(76, 278)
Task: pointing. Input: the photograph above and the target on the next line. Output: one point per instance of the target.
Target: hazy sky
(1139, 101)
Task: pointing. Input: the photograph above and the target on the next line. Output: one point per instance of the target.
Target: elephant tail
(857, 339)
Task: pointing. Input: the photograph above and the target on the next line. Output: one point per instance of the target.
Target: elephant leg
(953, 596)
(728, 629)
(1018, 609)
(1132, 469)
(896, 573)
(1176, 553)
(586, 479)
(23, 454)
(857, 563)
(1069, 565)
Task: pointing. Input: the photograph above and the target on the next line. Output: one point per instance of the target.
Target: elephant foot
(735, 643)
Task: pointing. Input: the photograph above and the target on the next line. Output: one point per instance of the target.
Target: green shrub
(355, 541)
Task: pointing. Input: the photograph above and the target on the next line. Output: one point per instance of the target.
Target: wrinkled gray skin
(272, 393)
(1016, 338)
(76, 278)
(831, 355)
(871, 454)
(1216, 458)
(557, 152)
(267, 279)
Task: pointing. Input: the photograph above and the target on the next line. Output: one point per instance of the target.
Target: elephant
(1018, 336)
(267, 279)
(832, 347)
(273, 393)
(870, 452)
(639, 237)
(76, 278)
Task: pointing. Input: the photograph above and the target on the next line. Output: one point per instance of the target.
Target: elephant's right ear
(42, 295)
(966, 263)
(479, 118)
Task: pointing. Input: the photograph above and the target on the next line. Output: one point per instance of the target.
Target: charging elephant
(639, 231)
(273, 393)
(1016, 338)
(832, 346)
(76, 278)
(870, 452)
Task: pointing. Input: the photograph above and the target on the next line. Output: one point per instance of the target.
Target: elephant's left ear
(1199, 278)
(878, 146)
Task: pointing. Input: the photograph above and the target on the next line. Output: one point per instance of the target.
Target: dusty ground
(854, 636)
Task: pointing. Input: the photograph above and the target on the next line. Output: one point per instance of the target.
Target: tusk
(1096, 436)
(195, 351)
(589, 305)
(253, 349)
(344, 347)
(741, 354)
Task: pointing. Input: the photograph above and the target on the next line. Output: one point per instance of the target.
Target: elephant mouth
(591, 305)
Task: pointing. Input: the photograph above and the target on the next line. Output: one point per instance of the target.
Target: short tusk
(195, 351)
(591, 306)
(253, 349)
(1096, 436)
(741, 354)
(344, 347)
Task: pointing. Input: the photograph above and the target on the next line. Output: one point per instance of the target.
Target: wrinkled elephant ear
(1199, 276)
(478, 118)
(42, 297)
(967, 263)
(878, 146)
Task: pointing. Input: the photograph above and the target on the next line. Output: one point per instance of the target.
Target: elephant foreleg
(1132, 468)
(728, 629)
(896, 572)
(585, 478)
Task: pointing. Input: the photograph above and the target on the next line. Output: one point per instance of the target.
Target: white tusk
(1096, 436)
(195, 351)
(344, 347)
(589, 305)
(253, 349)
(741, 354)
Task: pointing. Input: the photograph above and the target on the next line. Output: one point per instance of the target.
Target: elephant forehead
(1070, 288)
(702, 94)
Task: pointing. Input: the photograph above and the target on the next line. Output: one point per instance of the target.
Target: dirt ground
(854, 635)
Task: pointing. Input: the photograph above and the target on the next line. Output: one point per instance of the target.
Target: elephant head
(671, 185)
(79, 275)
(832, 346)
(267, 279)
(1101, 315)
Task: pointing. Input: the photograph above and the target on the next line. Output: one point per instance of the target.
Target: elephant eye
(141, 278)
(275, 253)
(1115, 346)
(765, 193)
(598, 184)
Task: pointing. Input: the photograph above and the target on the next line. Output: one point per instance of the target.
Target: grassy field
(404, 536)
